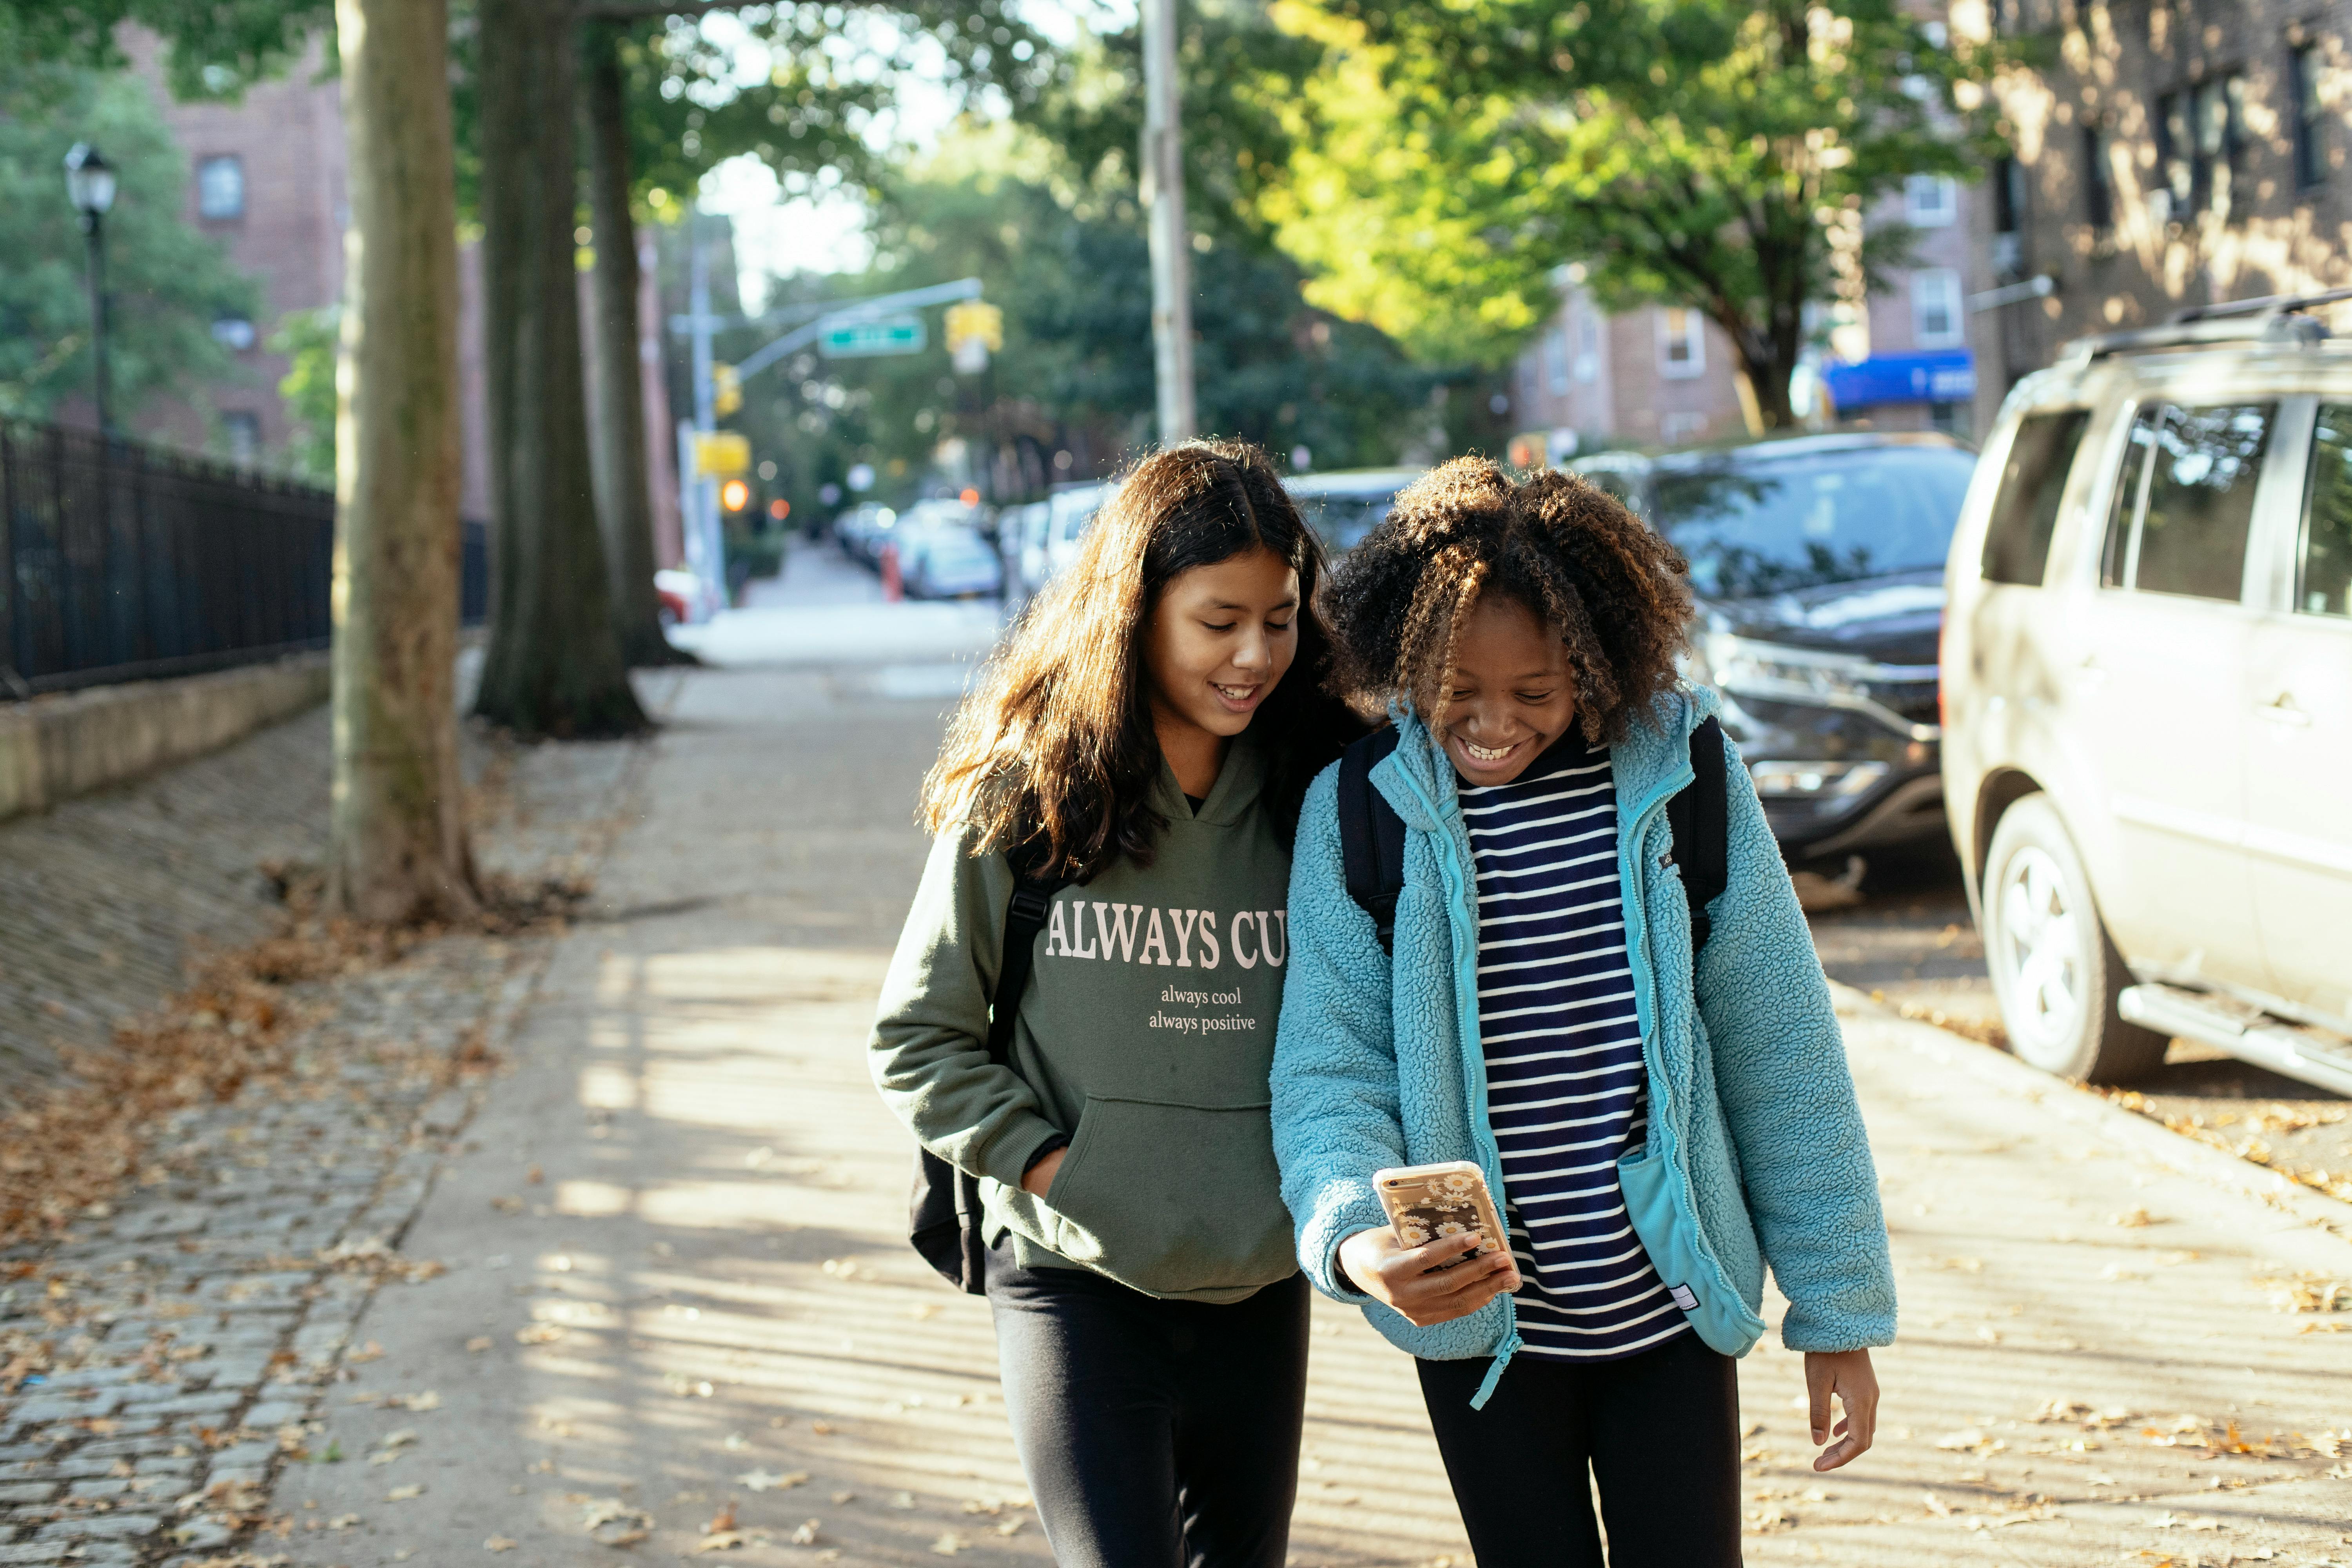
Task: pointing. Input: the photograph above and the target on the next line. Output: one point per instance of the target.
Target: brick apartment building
(267, 180)
(1665, 375)
(2174, 153)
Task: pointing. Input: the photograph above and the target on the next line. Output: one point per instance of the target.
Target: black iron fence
(125, 561)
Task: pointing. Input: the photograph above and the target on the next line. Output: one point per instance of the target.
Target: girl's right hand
(1414, 1279)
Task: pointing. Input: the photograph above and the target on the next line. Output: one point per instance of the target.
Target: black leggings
(1660, 1431)
(1154, 1433)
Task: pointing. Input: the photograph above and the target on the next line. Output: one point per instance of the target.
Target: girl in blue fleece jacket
(1657, 1131)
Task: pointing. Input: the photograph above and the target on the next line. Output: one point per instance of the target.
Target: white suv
(2147, 680)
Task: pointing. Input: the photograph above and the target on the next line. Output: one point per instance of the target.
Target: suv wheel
(2054, 968)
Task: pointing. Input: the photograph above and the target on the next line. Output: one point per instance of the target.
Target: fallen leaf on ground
(420, 1402)
(822, 1428)
(722, 1522)
(499, 1544)
(478, 1344)
(539, 1334)
(721, 1540)
(1937, 1505)
(806, 1534)
(769, 1480)
(402, 1494)
(612, 1522)
(736, 1442)
(343, 1521)
(366, 1353)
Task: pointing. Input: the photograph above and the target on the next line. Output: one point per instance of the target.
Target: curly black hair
(1618, 594)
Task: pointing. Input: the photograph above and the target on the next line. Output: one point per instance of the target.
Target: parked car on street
(1069, 512)
(2148, 685)
(1020, 536)
(1343, 507)
(861, 530)
(949, 560)
(1818, 563)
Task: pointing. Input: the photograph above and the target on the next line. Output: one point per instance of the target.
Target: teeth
(1236, 693)
(1488, 753)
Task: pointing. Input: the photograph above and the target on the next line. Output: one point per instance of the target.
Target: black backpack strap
(946, 1224)
(1372, 836)
(1024, 916)
(1698, 817)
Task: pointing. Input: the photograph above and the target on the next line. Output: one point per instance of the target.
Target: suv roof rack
(2273, 317)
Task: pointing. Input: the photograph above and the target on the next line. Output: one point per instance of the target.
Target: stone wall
(54, 748)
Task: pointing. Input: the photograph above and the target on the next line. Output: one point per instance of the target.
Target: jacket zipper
(1462, 910)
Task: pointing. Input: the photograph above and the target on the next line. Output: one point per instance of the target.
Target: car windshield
(1754, 524)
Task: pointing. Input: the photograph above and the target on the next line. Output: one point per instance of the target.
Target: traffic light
(780, 508)
(975, 330)
(725, 390)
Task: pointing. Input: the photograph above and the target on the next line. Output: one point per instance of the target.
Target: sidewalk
(662, 1284)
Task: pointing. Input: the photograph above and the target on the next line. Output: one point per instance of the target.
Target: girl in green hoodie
(1143, 740)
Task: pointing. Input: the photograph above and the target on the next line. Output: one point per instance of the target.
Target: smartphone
(1426, 1202)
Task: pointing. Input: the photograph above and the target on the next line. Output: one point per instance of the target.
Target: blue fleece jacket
(1756, 1152)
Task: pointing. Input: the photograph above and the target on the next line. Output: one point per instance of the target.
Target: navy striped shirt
(1566, 1091)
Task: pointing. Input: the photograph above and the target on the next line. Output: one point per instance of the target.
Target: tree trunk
(397, 841)
(554, 666)
(616, 382)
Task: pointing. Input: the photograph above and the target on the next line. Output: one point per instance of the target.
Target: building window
(1587, 346)
(220, 187)
(1555, 353)
(1930, 201)
(2200, 139)
(2310, 126)
(241, 434)
(1936, 309)
(2008, 219)
(1682, 343)
(2098, 180)
(233, 333)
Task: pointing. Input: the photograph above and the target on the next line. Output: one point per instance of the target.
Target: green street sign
(876, 335)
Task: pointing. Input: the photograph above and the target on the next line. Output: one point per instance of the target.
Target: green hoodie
(1145, 1035)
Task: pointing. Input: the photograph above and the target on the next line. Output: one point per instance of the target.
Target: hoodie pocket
(1677, 1251)
(1172, 1198)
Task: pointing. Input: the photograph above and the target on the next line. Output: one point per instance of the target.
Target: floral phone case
(1427, 1202)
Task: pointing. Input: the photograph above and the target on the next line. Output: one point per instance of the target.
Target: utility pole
(705, 549)
(1163, 167)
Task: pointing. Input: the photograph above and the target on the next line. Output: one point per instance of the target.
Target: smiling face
(1220, 638)
(1512, 694)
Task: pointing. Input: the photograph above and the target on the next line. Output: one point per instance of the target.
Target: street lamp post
(89, 182)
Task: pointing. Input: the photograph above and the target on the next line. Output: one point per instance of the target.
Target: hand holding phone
(1444, 1253)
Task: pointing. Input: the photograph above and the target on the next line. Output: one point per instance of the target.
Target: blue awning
(1949, 375)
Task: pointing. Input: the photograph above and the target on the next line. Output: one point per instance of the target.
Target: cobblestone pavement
(102, 898)
(161, 1365)
(656, 1300)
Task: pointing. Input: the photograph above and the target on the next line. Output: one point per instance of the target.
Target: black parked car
(1818, 567)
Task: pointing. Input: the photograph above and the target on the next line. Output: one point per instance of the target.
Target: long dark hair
(1057, 749)
(1616, 594)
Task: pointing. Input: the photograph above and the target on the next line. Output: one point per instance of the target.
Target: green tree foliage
(1070, 272)
(308, 339)
(166, 282)
(1723, 155)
